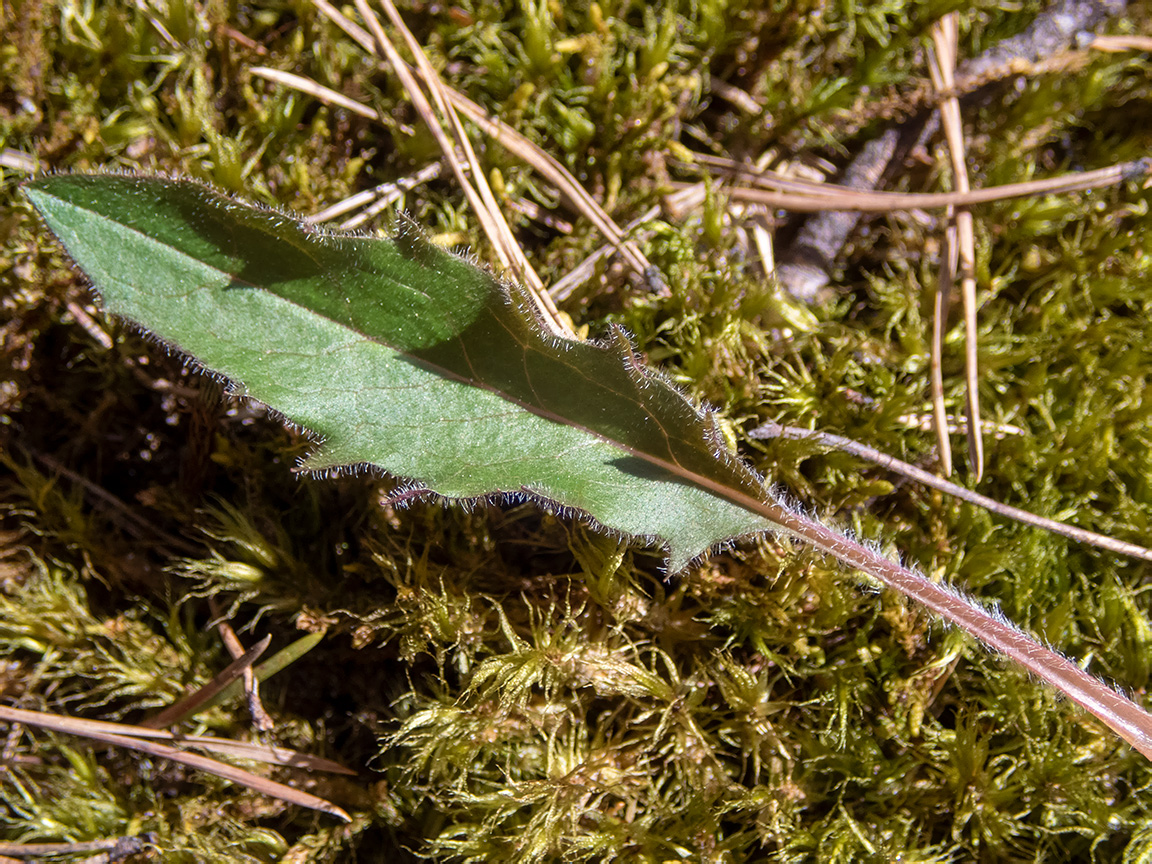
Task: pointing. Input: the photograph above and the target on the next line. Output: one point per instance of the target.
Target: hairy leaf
(406, 357)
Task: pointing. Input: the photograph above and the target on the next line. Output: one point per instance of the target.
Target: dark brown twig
(115, 849)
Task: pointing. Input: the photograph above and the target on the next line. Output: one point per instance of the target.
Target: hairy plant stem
(1118, 713)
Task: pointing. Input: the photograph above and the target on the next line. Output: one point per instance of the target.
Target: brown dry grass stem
(240, 667)
(446, 112)
(137, 738)
(476, 189)
(949, 261)
(260, 718)
(519, 146)
(919, 475)
(583, 271)
(805, 196)
(942, 67)
(374, 200)
(1117, 44)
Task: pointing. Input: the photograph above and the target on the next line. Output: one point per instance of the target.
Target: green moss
(513, 686)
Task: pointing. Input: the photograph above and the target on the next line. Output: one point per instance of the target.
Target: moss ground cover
(510, 685)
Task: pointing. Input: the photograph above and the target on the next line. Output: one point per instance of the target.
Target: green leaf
(406, 357)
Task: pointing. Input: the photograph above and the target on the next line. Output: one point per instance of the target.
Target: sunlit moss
(511, 685)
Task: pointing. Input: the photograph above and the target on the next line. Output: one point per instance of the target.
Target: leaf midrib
(724, 491)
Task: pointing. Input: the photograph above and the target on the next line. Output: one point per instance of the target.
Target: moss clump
(513, 687)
